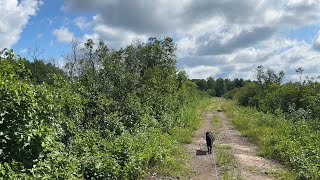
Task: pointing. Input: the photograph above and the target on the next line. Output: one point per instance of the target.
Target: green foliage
(268, 77)
(247, 94)
(295, 100)
(22, 116)
(116, 116)
(292, 143)
(42, 71)
(290, 132)
(219, 87)
(189, 120)
(227, 162)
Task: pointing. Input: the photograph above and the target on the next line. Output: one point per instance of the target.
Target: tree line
(219, 87)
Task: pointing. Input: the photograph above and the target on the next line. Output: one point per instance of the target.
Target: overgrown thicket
(289, 132)
(110, 116)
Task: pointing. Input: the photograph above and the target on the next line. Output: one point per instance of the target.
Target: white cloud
(14, 16)
(112, 36)
(82, 23)
(278, 54)
(186, 46)
(226, 38)
(231, 39)
(201, 71)
(63, 34)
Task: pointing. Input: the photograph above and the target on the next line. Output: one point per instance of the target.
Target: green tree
(220, 87)
(269, 77)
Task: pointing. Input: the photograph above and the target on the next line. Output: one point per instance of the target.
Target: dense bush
(112, 117)
(287, 98)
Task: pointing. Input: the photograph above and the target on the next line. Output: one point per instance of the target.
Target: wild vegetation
(112, 114)
(282, 118)
(118, 114)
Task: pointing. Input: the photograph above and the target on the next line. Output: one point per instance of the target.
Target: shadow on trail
(201, 153)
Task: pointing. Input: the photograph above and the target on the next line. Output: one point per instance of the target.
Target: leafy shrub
(111, 118)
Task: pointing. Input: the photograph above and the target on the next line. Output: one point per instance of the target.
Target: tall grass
(192, 117)
(295, 144)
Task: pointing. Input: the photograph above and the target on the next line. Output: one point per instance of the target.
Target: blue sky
(226, 38)
(39, 30)
(305, 33)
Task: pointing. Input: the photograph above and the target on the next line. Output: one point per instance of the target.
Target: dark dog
(209, 139)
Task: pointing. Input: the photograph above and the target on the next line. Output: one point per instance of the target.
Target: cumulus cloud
(14, 16)
(63, 34)
(201, 71)
(215, 38)
(231, 39)
(166, 16)
(278, 54)
(114, 37)
(139, 16)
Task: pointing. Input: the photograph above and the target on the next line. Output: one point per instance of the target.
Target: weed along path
(248, 164)
(202, 165)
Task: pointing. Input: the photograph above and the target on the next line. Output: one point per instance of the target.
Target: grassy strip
(227, 162)
(224, 155)
(276, 138)
(192, 116)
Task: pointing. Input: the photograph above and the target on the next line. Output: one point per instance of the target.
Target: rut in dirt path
(202, 164)
(251, 166)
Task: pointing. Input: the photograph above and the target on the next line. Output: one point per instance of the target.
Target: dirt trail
(251, 166)
(202, 164)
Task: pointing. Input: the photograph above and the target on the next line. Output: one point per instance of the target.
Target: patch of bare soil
(252, 166)
(203, 165)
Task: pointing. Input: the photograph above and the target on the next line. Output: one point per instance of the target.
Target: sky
(215, 38)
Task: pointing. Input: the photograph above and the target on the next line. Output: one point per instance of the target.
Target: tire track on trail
(202, 165)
